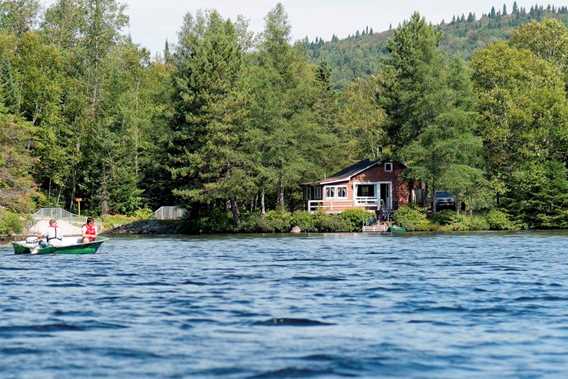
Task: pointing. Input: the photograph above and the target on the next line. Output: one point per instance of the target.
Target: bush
(143, 214)
(332, 224)
(357, 218)
(499, 220)
(412, 219)
(278, 221)
(452, 221)
(10, 223)
(114, 221)
(478, 223)
(305, 221)
(447, 217)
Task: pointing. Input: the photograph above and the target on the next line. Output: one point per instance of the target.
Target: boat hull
(80, 249)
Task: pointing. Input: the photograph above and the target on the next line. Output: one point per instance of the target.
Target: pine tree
(412, 83)
(208, 154)
(515, 9)
(18, 16)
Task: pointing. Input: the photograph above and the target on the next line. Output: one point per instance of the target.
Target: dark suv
(444, 200)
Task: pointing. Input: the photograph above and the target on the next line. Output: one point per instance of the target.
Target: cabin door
(385, 194)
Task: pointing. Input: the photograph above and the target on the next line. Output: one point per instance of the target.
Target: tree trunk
(434, 210)
(262, 203)
(104, 195)
(235, 211)
(280, 201)
(458, 205)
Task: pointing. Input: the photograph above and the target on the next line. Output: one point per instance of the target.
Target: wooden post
(78, 200)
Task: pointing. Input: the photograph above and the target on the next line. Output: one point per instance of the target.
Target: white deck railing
(328, 205)
(367, 201)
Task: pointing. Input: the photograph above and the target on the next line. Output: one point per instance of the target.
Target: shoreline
(5, 241)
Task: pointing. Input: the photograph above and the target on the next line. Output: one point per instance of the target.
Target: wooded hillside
(359, 54)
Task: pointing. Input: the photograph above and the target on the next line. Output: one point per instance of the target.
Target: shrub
(412, 219)
(114, 221)
(447, 217)
(332, 224)
(499, 220)
(279, 221)
(10, 223)
(478, 223)
(305, 221)
(357, 218)
(143, 214)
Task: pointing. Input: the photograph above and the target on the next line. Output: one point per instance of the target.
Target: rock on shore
(148, 227)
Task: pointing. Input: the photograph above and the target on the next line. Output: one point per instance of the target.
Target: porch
(336, 198)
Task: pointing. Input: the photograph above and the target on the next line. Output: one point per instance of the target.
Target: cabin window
(329, 192)
(338, 192)
(366, 190)
(388, 167)
(317, 193)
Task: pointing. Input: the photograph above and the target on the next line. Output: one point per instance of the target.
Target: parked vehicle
(444, 200)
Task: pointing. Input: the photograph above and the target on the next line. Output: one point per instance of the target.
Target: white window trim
(377, 191)
(336, 192)
(389, 164)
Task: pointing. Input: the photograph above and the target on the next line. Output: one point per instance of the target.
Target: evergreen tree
(413, 88)
(17, 190)
(209, 149)
(515, 9)
(18, 16)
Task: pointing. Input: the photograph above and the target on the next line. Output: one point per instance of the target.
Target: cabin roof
(348, 172)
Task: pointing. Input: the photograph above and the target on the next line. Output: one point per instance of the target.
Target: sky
(152, 22)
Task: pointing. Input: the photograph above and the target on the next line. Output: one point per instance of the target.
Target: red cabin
(371, 185)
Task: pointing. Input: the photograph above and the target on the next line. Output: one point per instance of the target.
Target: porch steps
(379, 227)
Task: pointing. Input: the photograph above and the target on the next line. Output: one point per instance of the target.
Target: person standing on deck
(89, 231)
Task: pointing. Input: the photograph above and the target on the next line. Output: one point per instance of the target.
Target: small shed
(170, 213)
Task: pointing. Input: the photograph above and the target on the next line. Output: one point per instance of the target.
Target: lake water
(447, 306)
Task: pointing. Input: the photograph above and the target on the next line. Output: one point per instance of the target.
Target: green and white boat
(24, 247)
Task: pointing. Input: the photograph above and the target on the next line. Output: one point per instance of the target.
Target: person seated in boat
(53, 236)
(89, 231)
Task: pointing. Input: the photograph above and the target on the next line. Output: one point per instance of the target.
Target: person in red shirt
(89, 231)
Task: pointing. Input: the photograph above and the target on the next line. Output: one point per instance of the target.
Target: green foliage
(17, 188)
(305, 221)
(413, 84)
(499, 220)
(114, 221)
(359, 56)
(445, 217)
(279, 221)
(412, 219)
(10, 223)
(453, 221)
(357, 218)
(332, 224)
(143, 214)
(478, 223)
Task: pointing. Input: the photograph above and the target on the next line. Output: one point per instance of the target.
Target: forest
(228, 123)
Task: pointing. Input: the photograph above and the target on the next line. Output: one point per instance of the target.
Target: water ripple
(416, 306)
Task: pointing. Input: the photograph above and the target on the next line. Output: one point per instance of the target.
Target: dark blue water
(461, 306)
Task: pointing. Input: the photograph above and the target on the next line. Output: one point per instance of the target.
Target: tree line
(359, 55)
(230, 122)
